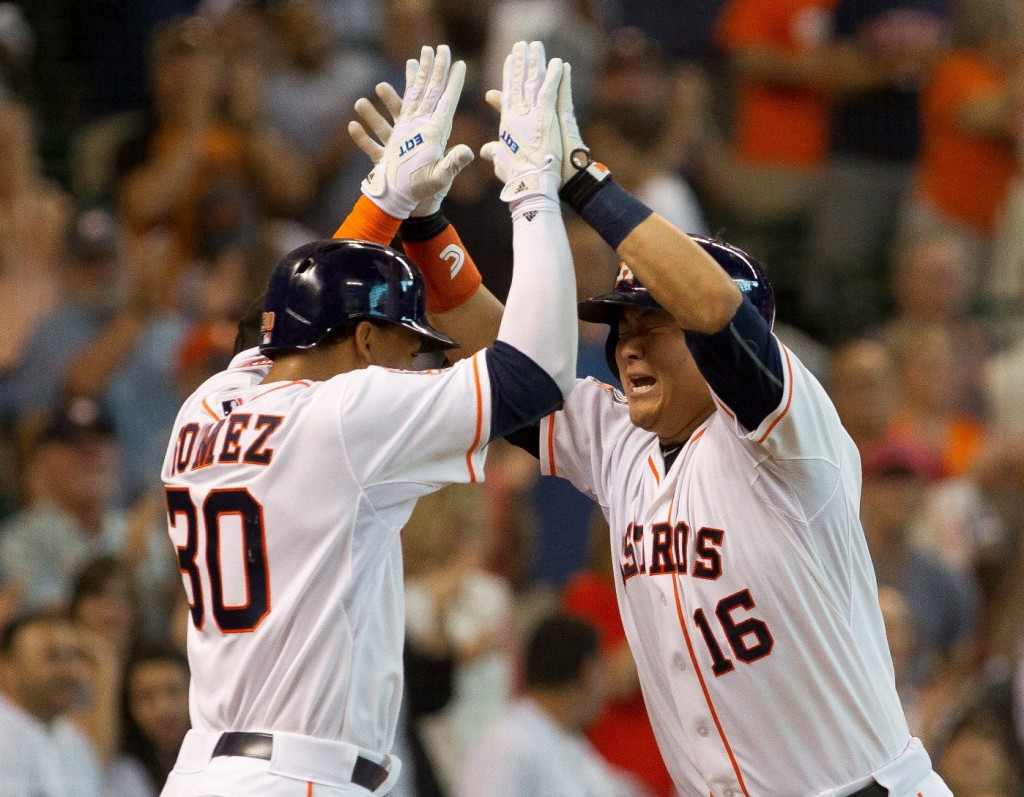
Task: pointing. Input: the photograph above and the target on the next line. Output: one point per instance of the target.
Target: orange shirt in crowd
(963, 176)
(963, 438)
(622, 733)
(778, 125)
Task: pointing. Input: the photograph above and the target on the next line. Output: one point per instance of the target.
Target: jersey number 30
(230, 619)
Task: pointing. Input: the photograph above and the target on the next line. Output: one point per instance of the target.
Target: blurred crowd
(158, 156)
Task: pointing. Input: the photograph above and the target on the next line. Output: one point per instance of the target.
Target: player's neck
(680, 437)
(317, 365)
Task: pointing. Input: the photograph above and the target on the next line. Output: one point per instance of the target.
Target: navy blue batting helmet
(316, 288)
(629, 292)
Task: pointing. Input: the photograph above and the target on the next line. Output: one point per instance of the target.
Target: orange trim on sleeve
(450, 273)
(789, 398)
(551, 444)
(367, 222)
(479, 420)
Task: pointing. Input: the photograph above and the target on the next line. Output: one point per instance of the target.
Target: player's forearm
(474, 323)
(540, 320)
(684, 279)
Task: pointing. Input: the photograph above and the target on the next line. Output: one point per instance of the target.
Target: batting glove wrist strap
(582, 186)
(423, 228)
(542, 182)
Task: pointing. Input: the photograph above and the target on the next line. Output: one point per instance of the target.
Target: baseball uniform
(747, 593)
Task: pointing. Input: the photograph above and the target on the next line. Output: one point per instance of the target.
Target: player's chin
(643, 412)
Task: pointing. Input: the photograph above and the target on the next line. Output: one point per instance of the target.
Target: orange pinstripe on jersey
(479, 419)
(278, 387)
(309, 788)
(789, 397)
(693, 655)
(654, 469)
(551, 444)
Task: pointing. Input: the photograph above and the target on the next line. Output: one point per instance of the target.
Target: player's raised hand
(412, 171)
(576, 154)
(527, 156)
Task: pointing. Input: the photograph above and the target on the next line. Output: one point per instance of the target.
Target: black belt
(874, 790)
(365, 773)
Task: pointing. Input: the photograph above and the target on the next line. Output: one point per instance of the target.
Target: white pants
(299, 767)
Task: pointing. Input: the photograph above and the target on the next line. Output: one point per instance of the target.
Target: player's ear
(364, 337)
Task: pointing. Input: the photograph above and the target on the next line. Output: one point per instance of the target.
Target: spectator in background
(929, 705)
(92, 277)
(932, 284)
(71, 481)
(309, 97)
(193, 146)
(931, 382)
(452, 603)
(622, 731)
(944, 603)
(628, 122)
(776, 51)
(970, 114)
(104, 601)
(33, 218)
(980, 759)
(154, 722)
(538, 747)
(880, 54)
(863, 386)
(43, 673)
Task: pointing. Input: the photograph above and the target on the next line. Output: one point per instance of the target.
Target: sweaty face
(394, 346)
(666, 393)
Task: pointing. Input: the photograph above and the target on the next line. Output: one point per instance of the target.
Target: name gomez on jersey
(746, 590)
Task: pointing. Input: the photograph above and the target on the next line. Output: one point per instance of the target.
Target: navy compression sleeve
(521, 391)
(743, 365)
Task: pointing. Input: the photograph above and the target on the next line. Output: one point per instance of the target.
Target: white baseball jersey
(285, 502)
(747, 594)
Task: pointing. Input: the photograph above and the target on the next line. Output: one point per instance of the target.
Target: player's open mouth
(639, 385)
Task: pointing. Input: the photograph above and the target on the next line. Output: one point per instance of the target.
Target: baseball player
(732, 494)
(289, 475)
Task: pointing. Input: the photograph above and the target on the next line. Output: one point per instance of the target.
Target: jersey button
(702, 730)
(664, 601)
(679, 661)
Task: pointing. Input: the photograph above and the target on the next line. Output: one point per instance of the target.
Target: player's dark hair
(133, 741)
(557, 650)
(10, 632)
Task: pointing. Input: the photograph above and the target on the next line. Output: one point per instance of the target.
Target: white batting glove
(412, 172)
(528, 155)
(575, 154)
